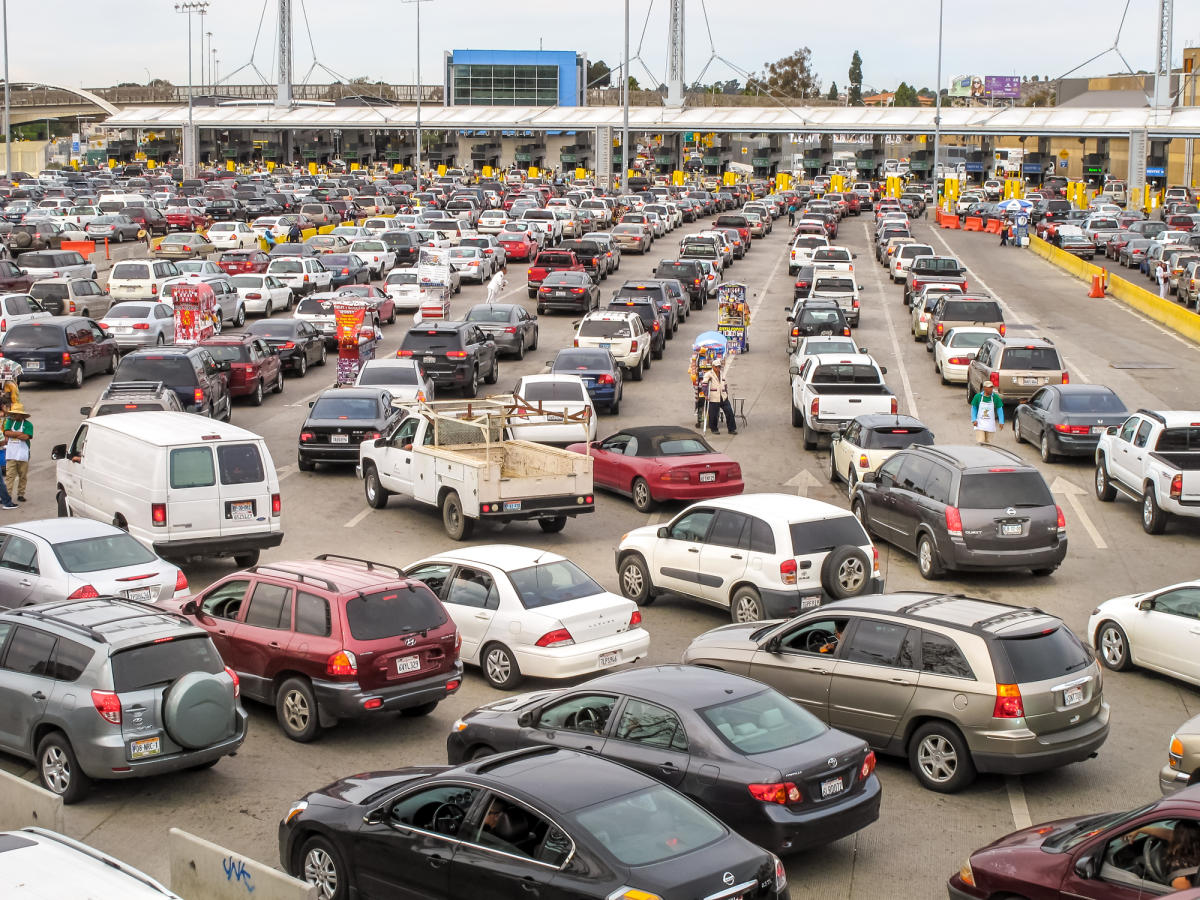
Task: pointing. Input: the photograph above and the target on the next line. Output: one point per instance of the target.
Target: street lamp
(937, 113)
(189, 141)
(7, 130)
(418, 3)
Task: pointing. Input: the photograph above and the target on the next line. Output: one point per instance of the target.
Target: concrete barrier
(972, 223)
(23, 803)
(202, 870)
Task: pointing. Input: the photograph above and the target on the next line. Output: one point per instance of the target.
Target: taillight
(456, 354)
(787, 571)
(782, 793)
(141, 326)
(66, 359)
(158, 515)
(953, 521)
(867, 767)
(511, 329)
(559, 637)
(1003, 330)
(181, 582)
(198, 396)
(341, 663)
(959, 360)
(1066, 379)
(633, 345)
(403, 354)
(87, 592)
(276, 504)
(895, 406)
(1008, 702)
(254, 296)
(153, 288)
(108, 704)
(939, 329)
(1072, 429)
(237, 682)
(863, 462)
(606, 379)
(1176, 488)
(676, 475)
(289, 345)
(994, 378)
(636, 619)
(815, 408)
(306, 436)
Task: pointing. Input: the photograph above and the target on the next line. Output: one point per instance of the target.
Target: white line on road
(362, 515)
(283, 472)
(305, 401)
(1073, 492)
(1016, 802)
(910, 399)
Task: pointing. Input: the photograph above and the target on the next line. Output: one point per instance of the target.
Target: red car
(244, 262)
(517, 245)
(384, 305)
(662, 462)
(13, 278)
(1112, 856)
(331, 638)
(254, 366)
(187, 218)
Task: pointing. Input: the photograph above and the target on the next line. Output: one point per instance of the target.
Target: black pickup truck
(591, 255)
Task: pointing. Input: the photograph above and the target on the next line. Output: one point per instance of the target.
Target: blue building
(515, 78)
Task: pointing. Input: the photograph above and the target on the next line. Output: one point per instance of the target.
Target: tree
(599, 74)
(633, 84)
(833, 91)
(854, 94)
(791, 76)
(906, 95)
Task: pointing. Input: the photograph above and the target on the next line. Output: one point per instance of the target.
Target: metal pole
(189, 161)
(206, 61)
(937, 115)
(7, 128)
(625, 104)
(419, 136)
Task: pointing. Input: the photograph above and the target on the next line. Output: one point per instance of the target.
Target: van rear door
(193, 499)
(245, 477)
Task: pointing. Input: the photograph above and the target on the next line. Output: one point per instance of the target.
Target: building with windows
(515, 78)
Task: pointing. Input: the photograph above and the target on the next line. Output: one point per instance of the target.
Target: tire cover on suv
(198, 710)
(829, 572)
(22, 238)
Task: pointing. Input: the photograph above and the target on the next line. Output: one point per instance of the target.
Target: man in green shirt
(987, 413)
(19, 432)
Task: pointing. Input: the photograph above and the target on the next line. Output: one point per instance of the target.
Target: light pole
(205, 67)
(189, 140)
(418, 3)
(937, 111)
(625, 105)
(7, 130)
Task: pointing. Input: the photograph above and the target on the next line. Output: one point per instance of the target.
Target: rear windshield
(582, 361)
(1091, 402)
(971, 339)
(386, 614)
(820, 316)
(287, 266)
(996, 490)
(110, 551)
(48, 290)
(1043, 656)
(1172, 439)
(171, 370)
(824, 534)
(38, 261)
(229, 352)
(810, 242)
(973, 311)
(310, 306)
(550, 583)
(372, 375)
(432, 340)
(1043, 358)
(240, 464)
(552, 390)
(500, 314)
(608, 328)
(945, 264)
(159, 664)
(760, 724)
(284, 329)
(846, 373)
(886, 437)
(632, 827)
(345, 408)
(833, 286)
(130, 270)
(33, 337)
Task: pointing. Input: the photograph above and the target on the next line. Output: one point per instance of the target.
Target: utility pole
(420, 133)
(206, 62)
(937, 111)
(189, 139)
(7, 100)
(675, 56)
(283, 88)
(625, 104)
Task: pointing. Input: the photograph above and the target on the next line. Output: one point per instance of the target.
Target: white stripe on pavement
(1016, 802)
(362, 515)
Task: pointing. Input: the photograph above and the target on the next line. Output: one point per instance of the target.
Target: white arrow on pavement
(1073, 492)
(802, 481)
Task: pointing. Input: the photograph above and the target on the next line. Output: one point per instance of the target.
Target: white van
(181, 484)
(140, 279)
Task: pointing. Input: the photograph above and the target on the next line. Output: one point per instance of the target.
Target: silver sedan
(140, 323)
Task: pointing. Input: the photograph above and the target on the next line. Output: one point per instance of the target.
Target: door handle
(38, 695)
(693, 550)
(530, 887)
(484, 616)
(899, 680)
(437, 862)
(273, 644)
(26, 583)
(590, 749)
(735, 556)
(668, 767)
(221, 631)
(819, 671)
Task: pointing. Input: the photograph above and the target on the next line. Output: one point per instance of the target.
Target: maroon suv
(331, 638)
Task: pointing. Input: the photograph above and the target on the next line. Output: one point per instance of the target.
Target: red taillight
(895, 406)
(141, 326)
(276, 504)
(237, 682)
(108, 704)
(373, 703)
(787, 571)
(782, 793)
(578, 290)
(341, 663)
(186, 247)
(198, 396)
(254, 296)
(1072, 429)
(456, 354)
(606, 379)
(158, 514)
(560, 637)
(103, 325)
(679, 475)
(290, 345)
(345, 271)
(66, 359)
(868, 766)
(959, 360)
(87, 592)
(632, 346)
(953, 521)
(1176, 488)
(939, 329)
(815, 408)
(863, 462)
(154, 289)
(403, 354)
(1066, 379)
(181, 582)
(1003, 330)
(1008, 702)
(994, 378)
(636, 619)
(511, 329)
(656, 326)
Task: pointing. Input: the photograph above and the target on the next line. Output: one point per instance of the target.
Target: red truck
(551, 261)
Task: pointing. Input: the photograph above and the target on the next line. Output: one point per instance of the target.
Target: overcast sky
(81, 43)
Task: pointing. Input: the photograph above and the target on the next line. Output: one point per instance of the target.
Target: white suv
(140, 279)
(623, 334)
(761, 556)
(41, 863)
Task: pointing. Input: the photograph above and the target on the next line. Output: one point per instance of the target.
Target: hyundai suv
(1017, 367)
(332, 638)
(453, 354)
(958, 685)
(198, 380)
(111, 688)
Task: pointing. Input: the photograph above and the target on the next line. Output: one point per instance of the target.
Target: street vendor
(716, 392)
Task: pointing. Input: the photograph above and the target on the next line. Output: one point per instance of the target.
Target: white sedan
(1157, 630)
(952, 355)
(557, 393)
(233, 236)
(263, 293)
(523, 611)
(402, 378)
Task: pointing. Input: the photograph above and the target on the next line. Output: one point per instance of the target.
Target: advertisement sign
(353, 349)
(1004, 87)
(195, 312)
(966, 86)
(433, 277)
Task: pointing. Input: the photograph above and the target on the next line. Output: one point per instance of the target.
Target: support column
(675, 56)
(283, 92)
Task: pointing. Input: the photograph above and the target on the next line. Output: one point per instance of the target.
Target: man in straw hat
(19, 432)
(716, 390)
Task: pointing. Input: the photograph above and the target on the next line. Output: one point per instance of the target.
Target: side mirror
(858, 286)
(863, 350)
(84, 411)
(59, 451)
(772, 645)
(793, 370)
(529, 717)
(1146, 605)
(1087, 867)
(868, 477)
(663, 532)
(883, 370)
(311, 403)
(191, 608)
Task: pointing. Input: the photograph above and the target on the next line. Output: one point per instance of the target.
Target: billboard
(966, 86)
(985, 87)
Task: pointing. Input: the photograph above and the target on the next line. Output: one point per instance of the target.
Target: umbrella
(710, 339)
(1015, 205)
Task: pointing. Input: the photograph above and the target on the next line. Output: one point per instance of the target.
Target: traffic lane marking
(358, 518)
(1016, 802)
(910, 399)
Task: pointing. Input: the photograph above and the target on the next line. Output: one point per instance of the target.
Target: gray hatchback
(111, 688)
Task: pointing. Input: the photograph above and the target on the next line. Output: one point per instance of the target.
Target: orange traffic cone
(1097, 286)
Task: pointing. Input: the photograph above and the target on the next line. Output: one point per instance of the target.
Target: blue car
(600, 373)
(66, 349)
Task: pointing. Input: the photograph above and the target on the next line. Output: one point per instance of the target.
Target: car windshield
(887, 437)
(282, 329)
(170, 370)
(820, 316)
(825, 534)
(946, 265)
(553, 582)
(762, 723)
(432, 340)
(110, 551)
(380, 375)
(1000, 488)
(632, 827)
(1037, 358)
(401, 278)
(313, 306)
(33, 336)
(604, 328)
(1067, 838)
(386, 614)
(287, 266)
(1042, 656)
(129, 271)
(162, 663)
(345, 408)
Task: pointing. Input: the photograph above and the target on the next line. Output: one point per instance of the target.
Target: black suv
(404, 244)
(813, 317)
(198, 380)
(453, 354)
(690, 274)
(134, 396)
(645, 304)
(663, 300)
(963, 507)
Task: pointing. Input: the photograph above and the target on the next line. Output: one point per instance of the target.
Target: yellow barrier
(307, 233)
(1064, 260)
(326, 229)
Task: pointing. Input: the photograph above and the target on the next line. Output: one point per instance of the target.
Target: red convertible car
(662, 462)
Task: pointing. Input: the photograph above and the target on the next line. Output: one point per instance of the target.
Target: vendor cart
(357, 338)
(708, 347)
(197, 317)
(733, 316)
(433, 283)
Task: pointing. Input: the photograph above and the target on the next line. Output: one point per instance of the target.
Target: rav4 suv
(332, 638)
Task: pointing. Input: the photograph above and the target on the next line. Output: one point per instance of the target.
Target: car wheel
(278, 388)
(59, 770)
(1113, 646)
(553, 525)
(940, 758)
(76, 376)
(746, 606)
(302, 366)
(296, 709)
(481, 751)
(1154, 520)
(494, 374)
(640, 372)
(1017, 435)
(642, 501)
(833, 472)
(851, 481)
(500, 668)
(472, 389)
(247, 559)
(533, 345)
(267, 310)
(635, 580)
(321, 865)
(846, 572)
(112, 364)
(928, 562)
(60, 500)
(797, 416)
(809, 438)
(323, 357)
(456, 522)
(1047, 454)
(305, 465)
(256, 398)
(1105, 492)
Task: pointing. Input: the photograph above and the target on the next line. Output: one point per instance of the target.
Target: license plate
(339, 439)
(610, 659)
(512, 505)
(824, 331)
(120, 329)
(142, 594)
(329, 326)
(1073, 696)
(1031, 381)
(606, 346)
(1010, 529)
(33, 364)
(708, 476)
(408, 664)
(810, 602)
(428, 360)
(1098, 429)
(242, 509)
(831, 786)
(145, 747)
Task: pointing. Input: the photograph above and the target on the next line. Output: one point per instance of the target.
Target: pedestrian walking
(496, 285)
(295, 235)
(18, 431)
(1004, 228)
(5, 497)
(987, 413)
(1161, 275)
(716, 390)
(791, 213)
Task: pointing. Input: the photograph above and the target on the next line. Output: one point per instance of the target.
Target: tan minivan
(963, 309)
(1017, 367)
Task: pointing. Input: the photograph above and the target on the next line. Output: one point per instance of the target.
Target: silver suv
(112, 688)
(955, 684)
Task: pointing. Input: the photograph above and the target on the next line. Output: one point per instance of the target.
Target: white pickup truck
(456, 455)
(1154, 458)
(830, 284)
(830, 389)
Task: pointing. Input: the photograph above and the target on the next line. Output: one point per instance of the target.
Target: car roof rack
(269, 569)
(371, 566)
(1011, 615)
(932, 600)
(1151, 414)
(132, 387)
(42, 612)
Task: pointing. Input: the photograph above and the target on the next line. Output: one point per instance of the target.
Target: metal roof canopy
(1024, 120)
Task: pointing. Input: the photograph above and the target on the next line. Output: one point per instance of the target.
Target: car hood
(356, 789)
(733, 636)
(1026, 839)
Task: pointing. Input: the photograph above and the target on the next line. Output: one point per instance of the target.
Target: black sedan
(600, 373)
(338, 421)
(570, 291)
(298, 344)
(542, 822)
(512, 328)
(346, 268)
(745, 752)
(1068, 419)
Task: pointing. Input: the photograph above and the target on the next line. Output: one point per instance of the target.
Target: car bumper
(1074, 445)
(697, 491)
(61, 375)
(108, 757)
(958, 891)
(783, 830)
(957, 374)
(460, 377)
(963, 557)
(582, 659)
(602, 396)
(340, 453)
(1021, 751)
(219, 546)
(345, 701)
(1171, 780)
(562, 304)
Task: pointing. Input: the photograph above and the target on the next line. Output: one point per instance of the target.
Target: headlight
(294, 810)
(459, 725)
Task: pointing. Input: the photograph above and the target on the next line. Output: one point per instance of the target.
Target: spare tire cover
(22, 239)
(199, 710)
(846, 572)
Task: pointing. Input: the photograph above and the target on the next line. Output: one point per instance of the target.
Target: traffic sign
(1064, 154)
